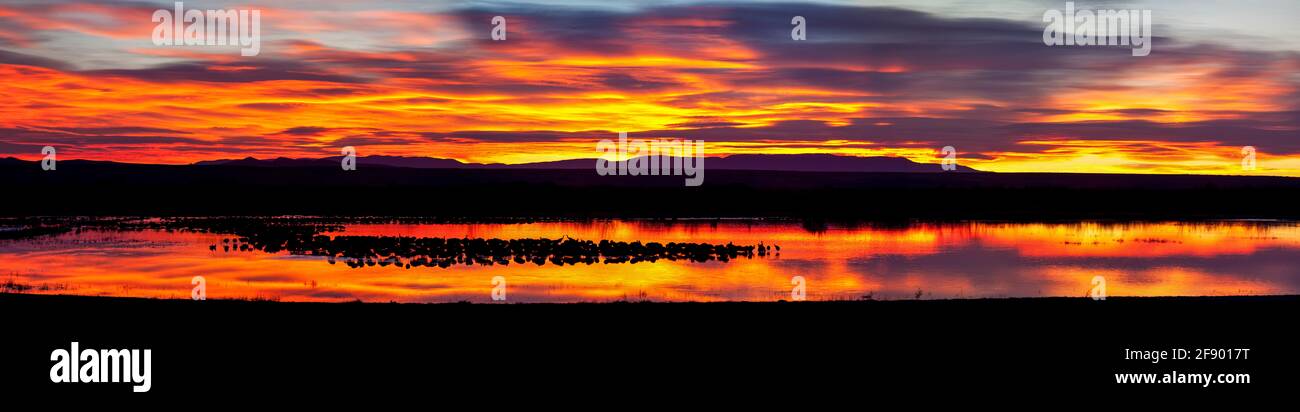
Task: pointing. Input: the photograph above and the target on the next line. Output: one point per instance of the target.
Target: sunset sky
(874, 78)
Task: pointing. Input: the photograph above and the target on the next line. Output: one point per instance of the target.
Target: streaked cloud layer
(424, 79)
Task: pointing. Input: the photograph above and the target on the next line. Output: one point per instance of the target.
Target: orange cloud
(432, 83)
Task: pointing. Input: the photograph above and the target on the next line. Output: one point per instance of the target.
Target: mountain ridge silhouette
(783, 162)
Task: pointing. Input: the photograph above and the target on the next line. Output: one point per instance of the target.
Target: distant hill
(788, 163)
(824, 163)
(386, 161)
(320, 187)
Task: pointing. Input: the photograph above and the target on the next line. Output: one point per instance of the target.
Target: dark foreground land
(1002, 351)
(107, 189)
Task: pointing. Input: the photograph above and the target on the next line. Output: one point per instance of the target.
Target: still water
(925, 261)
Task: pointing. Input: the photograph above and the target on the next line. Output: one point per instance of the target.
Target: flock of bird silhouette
(409, 252)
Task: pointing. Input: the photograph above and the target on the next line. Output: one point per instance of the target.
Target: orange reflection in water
(950, 260)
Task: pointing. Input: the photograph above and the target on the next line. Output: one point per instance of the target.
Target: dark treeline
(104, 189)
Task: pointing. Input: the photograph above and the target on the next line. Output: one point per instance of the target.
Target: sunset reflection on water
(938, 261)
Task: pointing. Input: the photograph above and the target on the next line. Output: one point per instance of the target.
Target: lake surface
(926, 261)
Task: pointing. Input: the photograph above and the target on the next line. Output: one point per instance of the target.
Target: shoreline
(123, 190)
